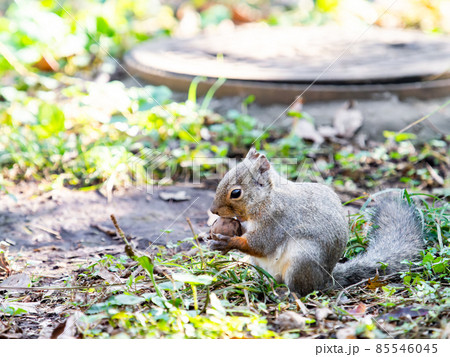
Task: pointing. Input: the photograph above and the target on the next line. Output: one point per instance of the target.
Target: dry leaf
(290, 320)
(70, 327)
(47, 63)
(244, 13)
(404, 312)
(297, 106)
(191, 253)
(323, 313)
(376, 283)
(305, 129)
(4, 265)
(29, 307)
(46, 328)
(16, 281)
(11, 335)
(327, 131)
(358, 311)
(434, 174)
(446, 333)
(348, 120)
(346, 333)
(108, 276)
(300, 305)
(174, 196)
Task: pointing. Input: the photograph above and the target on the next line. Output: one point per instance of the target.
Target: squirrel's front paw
(220, 242)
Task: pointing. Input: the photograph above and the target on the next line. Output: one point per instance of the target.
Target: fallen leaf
(347, 120)
(47, 63)
(108, 276)
(70, 328)
(342, 299)
(125, 299)
(4, 265)
(327, 131)
(191, 253)
(403, 312)
(375, 283)
(171, 285)
(434, 174)
(11, 335)
(290, 320)
(9, 241)
(297, 106)
(17, 281)
(446, 333)
(358, 311)
(193, 279)
(346, 333)
(174, 196)
(244, 13)
(305, 129)
(323, 313)
(28, 307)
(300, 305)
(46, 328)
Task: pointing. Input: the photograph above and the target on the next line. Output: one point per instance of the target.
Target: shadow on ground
(67, 218)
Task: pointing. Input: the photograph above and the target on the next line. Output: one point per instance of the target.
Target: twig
(4, 264)
(77, 287)
(434, 174)
(105, 230)
(300, 304)
(424, 117)
(119, 230)
(367, 280)
(14, 62)
(205, 306)
(48, 230)
(247, 300)
(202, 258)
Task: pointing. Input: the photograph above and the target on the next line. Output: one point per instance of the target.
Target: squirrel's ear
(252, 154)
(258, 168)
(263, 164)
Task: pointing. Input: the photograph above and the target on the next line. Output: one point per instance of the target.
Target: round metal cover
(282, 62)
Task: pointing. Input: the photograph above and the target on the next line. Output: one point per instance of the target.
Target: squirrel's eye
(235, 193)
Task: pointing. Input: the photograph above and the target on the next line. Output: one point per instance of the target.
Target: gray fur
(396, 235)
(279, 212)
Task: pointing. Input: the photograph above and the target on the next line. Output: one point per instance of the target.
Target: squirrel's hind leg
(306, 275)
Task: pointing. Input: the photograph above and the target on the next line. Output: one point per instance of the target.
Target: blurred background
(71, 115)
(105, 109)
(66, 32)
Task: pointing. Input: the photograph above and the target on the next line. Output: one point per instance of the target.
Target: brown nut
(227, 226)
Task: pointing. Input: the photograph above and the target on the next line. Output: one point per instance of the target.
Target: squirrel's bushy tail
(396, 234)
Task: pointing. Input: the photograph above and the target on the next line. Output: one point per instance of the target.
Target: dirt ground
(49, 231)
(50, 235)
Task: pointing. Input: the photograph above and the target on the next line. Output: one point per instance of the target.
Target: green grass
(66, 128)
(172, 292)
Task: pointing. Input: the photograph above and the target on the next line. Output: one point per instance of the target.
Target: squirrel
(298, 231)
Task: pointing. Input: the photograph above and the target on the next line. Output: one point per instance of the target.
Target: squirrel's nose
(214, 209)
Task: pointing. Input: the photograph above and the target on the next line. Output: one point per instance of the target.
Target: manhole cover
(277, 64)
